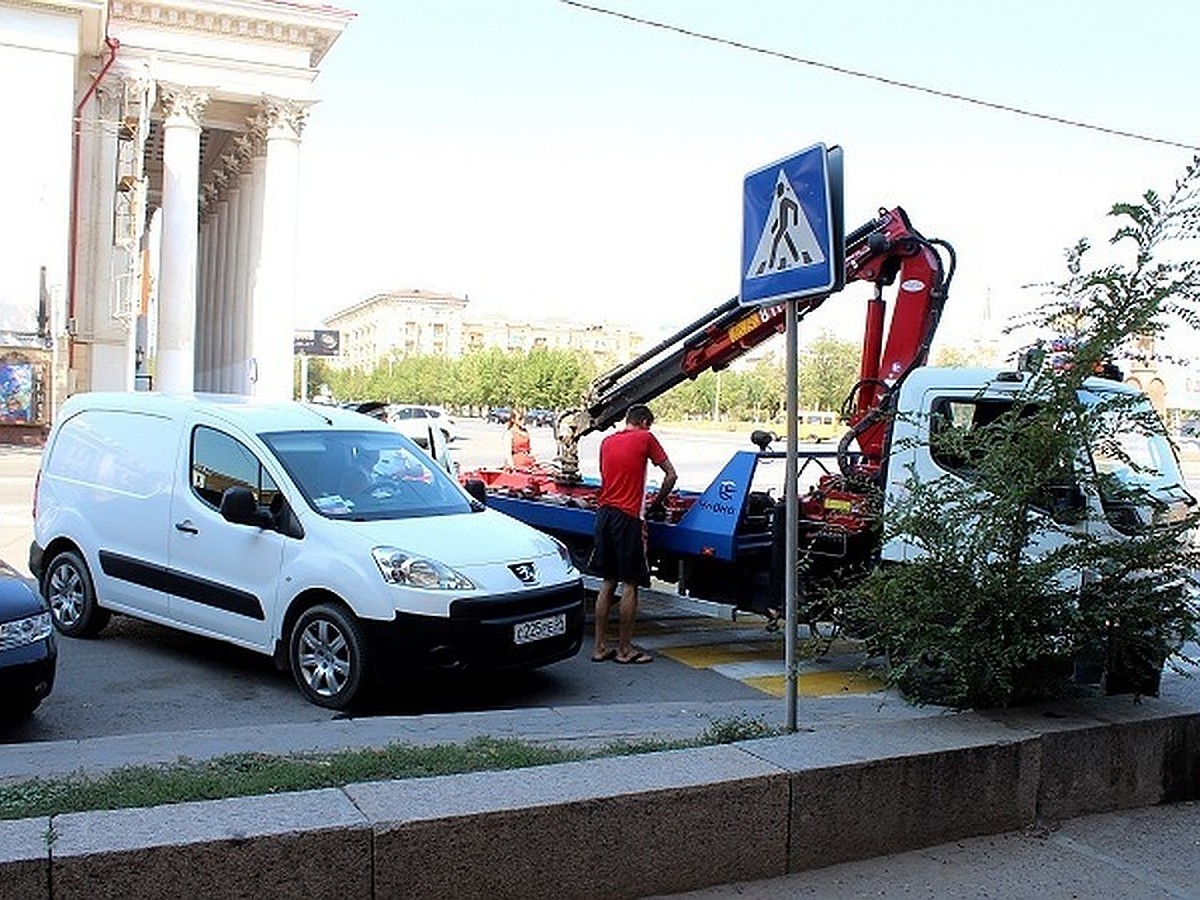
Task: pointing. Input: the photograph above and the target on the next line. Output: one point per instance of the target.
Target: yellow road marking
(705, 657)
(818, 684)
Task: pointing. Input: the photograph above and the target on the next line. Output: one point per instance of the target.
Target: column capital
(208, 200)
(231, 164)
(284, 118)
(183, 105)
(256, 133)
(244, 148)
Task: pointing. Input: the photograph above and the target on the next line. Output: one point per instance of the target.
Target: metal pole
(791, 501)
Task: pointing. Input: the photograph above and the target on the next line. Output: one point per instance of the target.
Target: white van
(316, 535)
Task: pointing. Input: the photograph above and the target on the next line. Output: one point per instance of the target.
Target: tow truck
(725, 543)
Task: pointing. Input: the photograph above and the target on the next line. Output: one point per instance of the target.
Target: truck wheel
(67, 587)
(328, 656)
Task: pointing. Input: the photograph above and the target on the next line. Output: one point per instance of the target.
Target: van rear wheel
(328, 656)
(67, 587)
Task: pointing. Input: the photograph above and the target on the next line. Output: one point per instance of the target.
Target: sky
(547, 161)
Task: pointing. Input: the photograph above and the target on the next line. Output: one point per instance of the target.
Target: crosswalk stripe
(818, 684)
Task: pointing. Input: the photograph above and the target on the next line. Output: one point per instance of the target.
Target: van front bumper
(480, 634)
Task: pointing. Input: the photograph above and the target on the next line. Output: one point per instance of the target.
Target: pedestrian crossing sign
(788, 229)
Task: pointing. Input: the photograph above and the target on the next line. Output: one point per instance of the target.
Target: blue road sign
(788, 217)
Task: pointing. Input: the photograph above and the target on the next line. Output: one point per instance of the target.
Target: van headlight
(29, 630)
(563, 553)
(411, 570)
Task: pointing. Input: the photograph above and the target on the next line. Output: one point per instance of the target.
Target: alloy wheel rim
(66, 595)
(324, 658)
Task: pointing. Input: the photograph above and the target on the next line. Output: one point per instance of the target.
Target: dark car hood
(17, 599)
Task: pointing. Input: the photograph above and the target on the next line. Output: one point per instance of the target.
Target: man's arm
(669, 477)
(659, 503)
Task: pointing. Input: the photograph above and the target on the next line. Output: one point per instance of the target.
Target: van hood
(461, 541)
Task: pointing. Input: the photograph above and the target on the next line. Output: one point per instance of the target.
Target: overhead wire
(879, 79)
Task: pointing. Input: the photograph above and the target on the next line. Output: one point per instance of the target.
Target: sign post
(313, 343)
(793, 246)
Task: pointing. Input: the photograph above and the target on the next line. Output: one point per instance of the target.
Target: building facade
(414, 322)
(154, 218)
(399, 323)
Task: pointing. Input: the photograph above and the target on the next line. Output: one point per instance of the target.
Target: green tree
(983, 615)
(828, 369)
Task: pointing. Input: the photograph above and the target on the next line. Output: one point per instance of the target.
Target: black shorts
(619, 551)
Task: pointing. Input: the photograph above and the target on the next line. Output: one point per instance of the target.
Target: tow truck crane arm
(879, 251)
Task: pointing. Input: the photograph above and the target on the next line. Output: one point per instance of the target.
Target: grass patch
(252, 774)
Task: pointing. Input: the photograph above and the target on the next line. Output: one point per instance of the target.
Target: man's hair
(639, 414)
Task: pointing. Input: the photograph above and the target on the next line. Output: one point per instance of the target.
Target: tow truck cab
(1142, 465)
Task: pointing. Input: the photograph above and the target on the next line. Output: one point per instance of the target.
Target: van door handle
(187, 527)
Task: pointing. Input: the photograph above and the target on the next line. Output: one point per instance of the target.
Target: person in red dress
(518, 453)
(619, 550)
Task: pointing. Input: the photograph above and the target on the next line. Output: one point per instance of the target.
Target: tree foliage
(557, 379)
(828, 369)
(1038, 562)
(480, 379)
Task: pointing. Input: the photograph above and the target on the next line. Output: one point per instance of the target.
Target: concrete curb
(631, 826)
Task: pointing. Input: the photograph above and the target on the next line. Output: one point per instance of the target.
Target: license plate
(539, 629)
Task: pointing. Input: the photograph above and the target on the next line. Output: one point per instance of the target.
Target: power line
(879, 79)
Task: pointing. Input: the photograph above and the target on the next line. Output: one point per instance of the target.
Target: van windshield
(366, 475)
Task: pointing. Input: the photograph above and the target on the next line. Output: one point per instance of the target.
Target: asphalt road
(139, 677)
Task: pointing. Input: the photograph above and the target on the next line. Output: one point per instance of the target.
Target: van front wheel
(328, 656)
(67, 587)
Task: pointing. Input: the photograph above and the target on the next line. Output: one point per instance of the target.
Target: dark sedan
(28, 653)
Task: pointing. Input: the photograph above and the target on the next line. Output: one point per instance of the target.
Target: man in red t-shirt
(619, 553)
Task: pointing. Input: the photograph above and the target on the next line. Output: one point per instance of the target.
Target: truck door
(224, 576)
(969, 411)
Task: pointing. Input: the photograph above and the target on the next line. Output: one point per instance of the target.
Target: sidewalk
(1141, 853)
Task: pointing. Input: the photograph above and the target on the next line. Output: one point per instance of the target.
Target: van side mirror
(476, 489)
(239, 507)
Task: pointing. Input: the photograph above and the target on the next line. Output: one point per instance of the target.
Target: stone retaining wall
(628, 826)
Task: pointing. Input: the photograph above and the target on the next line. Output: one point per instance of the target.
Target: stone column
(223, 327)
(258, 176)
(275, 296)
(208, 262)
(247, 254)
(98, 357)
(219, 297)
(180, 204)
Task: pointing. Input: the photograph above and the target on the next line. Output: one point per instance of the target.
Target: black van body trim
(177, 584)
(478, 634)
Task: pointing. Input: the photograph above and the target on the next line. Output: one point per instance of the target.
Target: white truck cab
(316, 535)
(970, 398)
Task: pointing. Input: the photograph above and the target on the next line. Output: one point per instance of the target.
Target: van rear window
(116, 450)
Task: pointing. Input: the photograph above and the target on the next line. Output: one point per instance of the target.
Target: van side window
(219, 462)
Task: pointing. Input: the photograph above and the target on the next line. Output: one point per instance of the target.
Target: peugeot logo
(525, 571)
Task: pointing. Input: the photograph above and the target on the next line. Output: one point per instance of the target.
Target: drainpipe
(73, 247)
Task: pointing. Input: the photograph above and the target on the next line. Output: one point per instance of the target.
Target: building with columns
(152, 208)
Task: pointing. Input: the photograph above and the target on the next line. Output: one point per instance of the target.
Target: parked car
(414, 421)
(540, 416)
(28, 654)
(322, 538)
(499, 415)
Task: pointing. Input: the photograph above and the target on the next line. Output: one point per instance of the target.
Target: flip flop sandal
(608, 654)
(637, 659)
